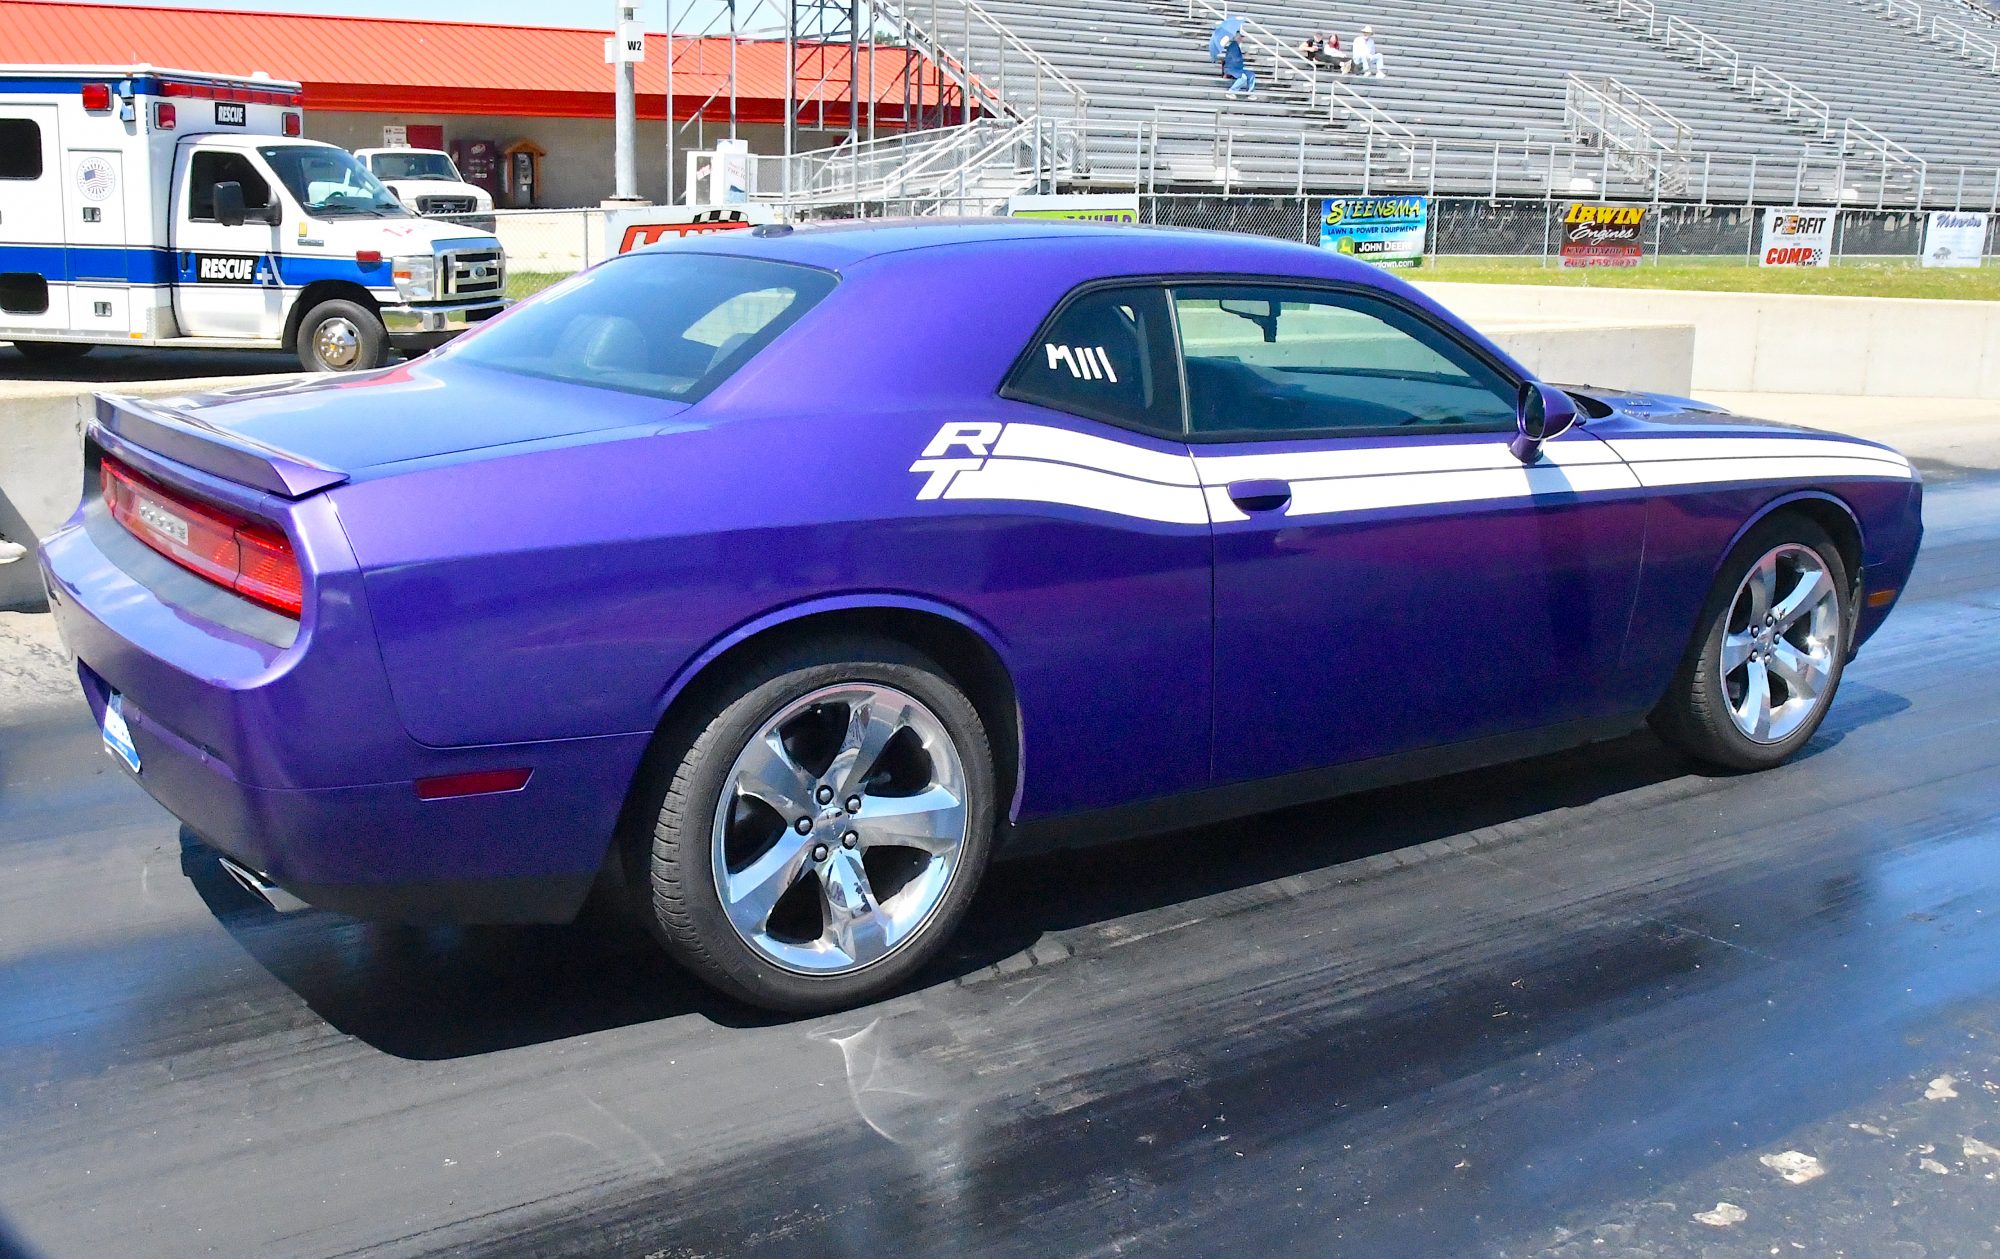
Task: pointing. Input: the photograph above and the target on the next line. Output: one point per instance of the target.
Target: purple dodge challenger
(768, 585)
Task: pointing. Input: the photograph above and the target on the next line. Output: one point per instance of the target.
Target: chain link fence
(543, 246)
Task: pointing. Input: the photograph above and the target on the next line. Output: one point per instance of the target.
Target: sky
(691, 15)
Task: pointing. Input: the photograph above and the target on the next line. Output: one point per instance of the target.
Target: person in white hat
(1367, 57)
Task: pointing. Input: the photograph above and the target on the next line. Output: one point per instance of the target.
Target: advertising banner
(1797, 238)
(627, 230)
(1093, 207)
(1954, 238)
(1599, 235)
(1387, 231)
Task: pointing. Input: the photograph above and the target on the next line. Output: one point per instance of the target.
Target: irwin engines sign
(1598, 235)
(1797, 238)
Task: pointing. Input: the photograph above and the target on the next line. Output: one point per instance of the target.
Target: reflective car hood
(418, 410)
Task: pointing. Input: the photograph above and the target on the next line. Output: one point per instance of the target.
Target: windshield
(329, 183)
(413, 166)
(668, 324)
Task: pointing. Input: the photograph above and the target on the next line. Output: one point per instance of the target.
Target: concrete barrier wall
(1778, 343)
(1658, 357)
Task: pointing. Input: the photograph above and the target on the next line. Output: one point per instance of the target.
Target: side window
(20, 148)
(1270, 361)
(212, 168)
(1108, 356)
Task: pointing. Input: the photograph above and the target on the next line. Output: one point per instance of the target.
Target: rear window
(667, 324)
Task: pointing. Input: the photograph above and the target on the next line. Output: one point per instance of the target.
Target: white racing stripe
(1060, 445)
(1038, 463)
(1718, 471)
(1313, 465)
(1641, 450)
(1033, 481)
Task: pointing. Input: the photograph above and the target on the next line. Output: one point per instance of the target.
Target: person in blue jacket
(1242, 80)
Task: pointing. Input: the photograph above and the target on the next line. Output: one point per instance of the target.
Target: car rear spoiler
(185, 437)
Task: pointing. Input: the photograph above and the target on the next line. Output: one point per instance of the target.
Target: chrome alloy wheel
(839, 829)
(1780, 644)
(337, 343)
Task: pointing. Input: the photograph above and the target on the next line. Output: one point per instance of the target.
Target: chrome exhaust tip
(262, 888)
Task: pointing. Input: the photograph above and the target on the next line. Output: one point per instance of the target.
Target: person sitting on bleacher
(1367, 57)
(1326, 51)
(1242, 81)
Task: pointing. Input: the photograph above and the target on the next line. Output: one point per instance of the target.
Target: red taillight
(293, 125)
(97, 96)
(164, 116)
(485, 782)
(256, 561)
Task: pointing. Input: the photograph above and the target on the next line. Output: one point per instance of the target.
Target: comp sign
(1598, 235)
(1797, 238)
(1387, 231)
(627, 230)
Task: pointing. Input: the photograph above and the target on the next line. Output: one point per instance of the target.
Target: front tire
(342, 336)
(824, 832)
(1764, 667)
(53, 351)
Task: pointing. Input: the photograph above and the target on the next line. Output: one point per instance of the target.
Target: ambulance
(170, 208)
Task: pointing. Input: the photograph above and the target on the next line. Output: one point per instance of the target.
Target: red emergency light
(164, 116)
(97, 97)
(293, 126)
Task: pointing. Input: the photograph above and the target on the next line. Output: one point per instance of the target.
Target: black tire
(343, 322)
(1695, 715)
(686, 910)
(53, 351)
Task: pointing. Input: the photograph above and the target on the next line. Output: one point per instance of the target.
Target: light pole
(625, 50)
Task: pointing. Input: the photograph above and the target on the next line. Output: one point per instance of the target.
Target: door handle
(1259, 496)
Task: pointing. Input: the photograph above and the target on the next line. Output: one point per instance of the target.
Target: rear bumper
(291, 761)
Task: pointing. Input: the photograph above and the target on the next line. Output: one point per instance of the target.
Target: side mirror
(1542, 414)
(229, 203)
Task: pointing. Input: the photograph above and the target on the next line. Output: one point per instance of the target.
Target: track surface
(1558, 1009)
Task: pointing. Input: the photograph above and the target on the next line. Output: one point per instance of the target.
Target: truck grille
(473, 273)
(446, 205)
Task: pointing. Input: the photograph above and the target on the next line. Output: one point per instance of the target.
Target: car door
(228, 285)
(1388, 577)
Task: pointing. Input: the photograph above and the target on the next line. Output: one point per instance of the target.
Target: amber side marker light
(1881, 598)
(484, 782)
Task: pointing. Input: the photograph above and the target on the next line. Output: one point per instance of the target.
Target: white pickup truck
(170, 208)
(428, 182)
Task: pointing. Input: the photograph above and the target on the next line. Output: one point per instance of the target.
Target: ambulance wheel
(52, 351)
(338, 336)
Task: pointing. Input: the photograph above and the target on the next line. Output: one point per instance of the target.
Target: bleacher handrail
(1644, 8)
(1905, 9)
(1948, 31)
(1706, 45)
(1891, 152)
(1798, 101)
(1288, 61)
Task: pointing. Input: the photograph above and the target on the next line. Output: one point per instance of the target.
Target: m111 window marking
(1085, 362)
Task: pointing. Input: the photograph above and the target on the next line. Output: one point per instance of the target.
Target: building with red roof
(447, 84)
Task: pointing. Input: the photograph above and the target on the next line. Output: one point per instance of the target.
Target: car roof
(1114, 247)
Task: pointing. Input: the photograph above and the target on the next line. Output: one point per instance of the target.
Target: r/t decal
(1085, 362)
(977, 439)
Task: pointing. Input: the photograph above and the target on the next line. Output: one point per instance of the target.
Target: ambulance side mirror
(229, 203)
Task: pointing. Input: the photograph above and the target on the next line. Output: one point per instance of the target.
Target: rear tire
(845, 909)
(1768, 657)
(53, 351)
(342, 336)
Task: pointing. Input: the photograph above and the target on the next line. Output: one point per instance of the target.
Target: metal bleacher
(1873, 102)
